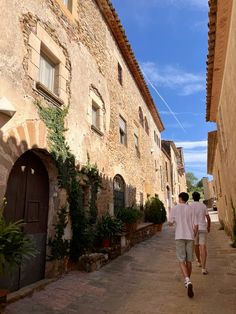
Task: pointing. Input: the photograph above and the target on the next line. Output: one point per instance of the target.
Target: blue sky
(169, 39)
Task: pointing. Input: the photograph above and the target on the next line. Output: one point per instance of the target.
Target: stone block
(60, 83)
(63, 95)
(50, 44)
(35, 58)
(34, 42)
(33, 71)
(32, 133)
(64, 72)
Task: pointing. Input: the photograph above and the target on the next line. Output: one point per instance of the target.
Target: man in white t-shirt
(204, 225)
(183, 217)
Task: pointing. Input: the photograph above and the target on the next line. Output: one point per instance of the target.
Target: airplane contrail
(163, 100)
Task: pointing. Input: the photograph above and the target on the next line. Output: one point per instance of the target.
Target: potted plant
(14, 246)
(107, 227)
(129, 216)
(155, 212)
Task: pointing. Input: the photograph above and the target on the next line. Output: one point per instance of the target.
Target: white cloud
(175, 78)
(195, 157)
(191, 144)
(200, 4)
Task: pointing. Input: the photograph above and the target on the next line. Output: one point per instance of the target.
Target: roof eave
(118, 32)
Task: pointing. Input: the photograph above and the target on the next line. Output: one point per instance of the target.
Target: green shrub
(129, 215)
(107, 226)
(14, 244)
(155, 211)
(60, 247)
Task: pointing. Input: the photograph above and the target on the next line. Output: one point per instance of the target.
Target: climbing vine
(60, 247)
(54, 119)
(94, 182)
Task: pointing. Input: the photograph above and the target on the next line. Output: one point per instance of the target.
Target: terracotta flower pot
(159, 227)
(3, 300)
(106, 243)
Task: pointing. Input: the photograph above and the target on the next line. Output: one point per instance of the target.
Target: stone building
(208, 190)
(72, 53)
(174, 179)
(221, 109)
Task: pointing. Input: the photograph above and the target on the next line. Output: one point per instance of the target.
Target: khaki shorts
(201, 238)
(184, 250)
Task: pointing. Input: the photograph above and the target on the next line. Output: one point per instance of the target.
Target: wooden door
(27, 198)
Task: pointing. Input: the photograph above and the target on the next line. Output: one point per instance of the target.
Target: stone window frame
(71, 11)
(96, 102)
(141, 118)
(221, 129)
(42, 42)
(123, 132)
(161, 178)
(146, 126)
(120, 73)
(137, 137)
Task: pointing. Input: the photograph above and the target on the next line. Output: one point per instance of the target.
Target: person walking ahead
(183, 217)
(204, 225)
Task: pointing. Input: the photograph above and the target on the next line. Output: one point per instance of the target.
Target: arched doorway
(27, 197)
(119, 193)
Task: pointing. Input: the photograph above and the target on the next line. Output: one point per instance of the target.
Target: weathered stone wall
(225, 161)
(166, 182)
(89, 55)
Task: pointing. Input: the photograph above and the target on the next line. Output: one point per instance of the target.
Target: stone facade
(208, 189)
(221, 78)
(95, 75)
(173, 172)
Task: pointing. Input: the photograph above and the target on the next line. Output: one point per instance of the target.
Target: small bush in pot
(14, 247)
(155, 211)
(130, 217)
(107, 227)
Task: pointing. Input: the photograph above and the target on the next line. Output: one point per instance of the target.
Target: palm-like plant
(14, 244)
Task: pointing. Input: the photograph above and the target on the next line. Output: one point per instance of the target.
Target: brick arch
(17, 140)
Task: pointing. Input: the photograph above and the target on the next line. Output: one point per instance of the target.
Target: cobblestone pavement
(145, 280)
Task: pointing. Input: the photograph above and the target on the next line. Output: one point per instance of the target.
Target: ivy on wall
(94, 181)
(54, 119)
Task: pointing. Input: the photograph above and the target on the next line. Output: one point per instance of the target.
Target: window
(123, 131)
(96, 112)
(167, 177)
(136, 137)
(140, 113)
(146, 126)
(136, 140)
(161, 177)
(156, 139)
(47, 72)
(120, 75)
(222, 131)
(68, 4)
(95, 115)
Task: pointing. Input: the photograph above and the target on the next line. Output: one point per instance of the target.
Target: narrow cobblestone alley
(145, 280)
